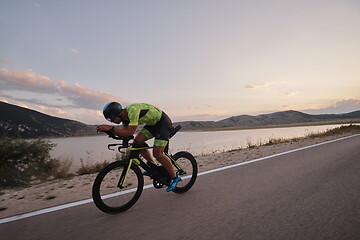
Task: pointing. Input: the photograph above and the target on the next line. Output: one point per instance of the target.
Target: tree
(23, 160)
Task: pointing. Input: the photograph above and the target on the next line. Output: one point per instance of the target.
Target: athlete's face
(116, 120)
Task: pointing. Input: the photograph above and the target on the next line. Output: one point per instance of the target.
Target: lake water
(94, 149)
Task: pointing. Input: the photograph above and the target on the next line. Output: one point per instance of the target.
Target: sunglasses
(112, 118)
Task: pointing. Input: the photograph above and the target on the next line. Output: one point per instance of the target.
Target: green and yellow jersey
(143, 113)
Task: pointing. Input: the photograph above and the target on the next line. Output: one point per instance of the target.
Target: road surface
(309, 194)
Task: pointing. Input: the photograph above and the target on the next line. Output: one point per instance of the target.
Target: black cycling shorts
(161, 130)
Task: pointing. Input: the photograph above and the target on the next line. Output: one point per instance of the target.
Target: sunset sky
(195, 59)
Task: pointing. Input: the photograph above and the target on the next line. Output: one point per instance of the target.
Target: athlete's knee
(158, 153)
(140, 138)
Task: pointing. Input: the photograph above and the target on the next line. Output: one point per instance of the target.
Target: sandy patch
(57, 192)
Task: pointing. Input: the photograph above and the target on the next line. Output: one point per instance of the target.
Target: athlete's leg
(164, 160)
(140, 137)
(162, 136)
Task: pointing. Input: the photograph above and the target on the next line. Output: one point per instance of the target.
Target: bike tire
(186, 161)
(111, 199)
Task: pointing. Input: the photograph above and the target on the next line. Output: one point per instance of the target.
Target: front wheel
(187, 169)
(106, 193)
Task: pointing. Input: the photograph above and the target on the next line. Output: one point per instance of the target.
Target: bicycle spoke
(186, 167)
(110, 197)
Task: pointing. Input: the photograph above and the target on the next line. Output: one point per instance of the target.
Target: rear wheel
(187, 169)
(110, 198)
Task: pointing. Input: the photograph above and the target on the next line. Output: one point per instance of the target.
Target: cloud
(86, 97)
(343, 106)
(263, 84)
(74, 50)
(5, 60)
(79, 96)
(59, 112)
(2, 99)
(28, 80)
(36, 101)
(290, 94)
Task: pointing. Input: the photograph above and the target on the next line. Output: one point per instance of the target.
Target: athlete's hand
(103, 128)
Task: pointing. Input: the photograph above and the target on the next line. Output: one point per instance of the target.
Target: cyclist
(157, 124)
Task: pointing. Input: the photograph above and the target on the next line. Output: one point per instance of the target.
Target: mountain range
(19, 122)
(277, 119)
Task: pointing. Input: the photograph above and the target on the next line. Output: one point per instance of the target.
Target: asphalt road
(308, 194)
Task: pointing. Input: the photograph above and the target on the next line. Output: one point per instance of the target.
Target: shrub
(89, 169)
(22, 161)
(97, 167)
(61, 169)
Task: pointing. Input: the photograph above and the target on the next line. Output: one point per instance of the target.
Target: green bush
(22, 161)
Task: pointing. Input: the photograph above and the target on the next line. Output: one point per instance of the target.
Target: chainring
(162, 175)
(158, 184)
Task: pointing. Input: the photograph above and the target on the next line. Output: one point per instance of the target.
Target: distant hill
(286, 118)
(21, 122)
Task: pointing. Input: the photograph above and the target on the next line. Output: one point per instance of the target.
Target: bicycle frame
(134, 158)
(134, 155)
(128, 176)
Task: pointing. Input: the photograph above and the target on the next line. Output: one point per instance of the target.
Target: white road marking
(69, 205)
(275, 155)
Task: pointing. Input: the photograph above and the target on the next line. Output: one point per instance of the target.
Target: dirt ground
(58, 192)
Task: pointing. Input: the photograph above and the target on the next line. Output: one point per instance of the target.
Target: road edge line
(275, 155)
(73, 204)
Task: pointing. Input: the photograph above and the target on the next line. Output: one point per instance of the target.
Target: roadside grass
(91, 168)
(63, 169)
(339, 130)
(335, 131)
(96, 167)
(272, 141)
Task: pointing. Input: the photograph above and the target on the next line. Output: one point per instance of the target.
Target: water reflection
(94, 149)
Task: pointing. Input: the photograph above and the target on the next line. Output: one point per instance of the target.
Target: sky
(194, 59)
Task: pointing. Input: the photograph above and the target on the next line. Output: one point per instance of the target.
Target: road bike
(119, 185)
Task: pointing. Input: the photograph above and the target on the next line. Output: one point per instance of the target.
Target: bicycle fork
(125, 173)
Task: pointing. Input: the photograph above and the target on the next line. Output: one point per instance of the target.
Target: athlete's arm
(130, 123)
(125, 131)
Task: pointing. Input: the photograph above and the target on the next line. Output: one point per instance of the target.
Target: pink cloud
(86, 97)
(80, 96)
(20, 80)
(5, 60)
